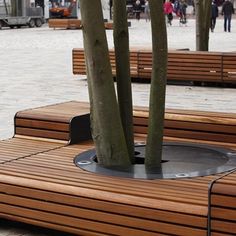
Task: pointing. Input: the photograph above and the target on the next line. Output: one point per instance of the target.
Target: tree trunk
(203, 14)
(121, 42)
(108, 136)
(13, 8)
(158, 85)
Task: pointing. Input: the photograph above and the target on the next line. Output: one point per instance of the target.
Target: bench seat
(45, 188)
(16, 148)
(49, 190)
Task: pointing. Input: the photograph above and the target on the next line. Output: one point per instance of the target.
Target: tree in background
(13, 8)
(203, 16)
(112, 123)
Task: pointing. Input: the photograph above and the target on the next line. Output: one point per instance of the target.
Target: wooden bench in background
(71, 24)
(229, 67)
(46, 189)
(109, 24)
(64, 23)
(183, 65)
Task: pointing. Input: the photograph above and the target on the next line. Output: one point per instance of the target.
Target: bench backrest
(70, 122)
(186, 125)
(67, 122)
(182, 65)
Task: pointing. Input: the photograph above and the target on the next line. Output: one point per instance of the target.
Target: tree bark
(107, 132)
(13, 8)
(158, 85)
(203, 15)
(121, 42)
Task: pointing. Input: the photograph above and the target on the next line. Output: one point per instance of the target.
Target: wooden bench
(72, 24)
(46, 189)
(223, 205)
(183, 65)
(41, 129)
(109, 24)
(133, 56)
(65, 23)
(59, 122)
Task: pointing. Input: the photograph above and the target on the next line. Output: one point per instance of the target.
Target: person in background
(182, 11)
(227, 11)
(137, 9)
(176, 8)
(168, 10)
(147, 10)
(214, 15)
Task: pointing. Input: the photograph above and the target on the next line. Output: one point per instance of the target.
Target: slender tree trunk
(203, 14)
(121, 42)
(158, 85)
(13, 8)
(107, 129)
(198, 22)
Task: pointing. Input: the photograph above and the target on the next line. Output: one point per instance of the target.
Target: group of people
(227, 11)
(179, 9)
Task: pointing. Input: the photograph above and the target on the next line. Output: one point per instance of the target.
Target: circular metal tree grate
(178, 161)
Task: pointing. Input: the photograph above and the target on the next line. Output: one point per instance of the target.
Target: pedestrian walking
(147, 10)
(214, 15)
(168, 11)
(227, 11)
(182, 11)
(137, 9)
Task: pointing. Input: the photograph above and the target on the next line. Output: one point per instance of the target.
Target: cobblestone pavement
(36, 70)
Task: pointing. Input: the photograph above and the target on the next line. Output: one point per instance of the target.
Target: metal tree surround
(179, 160)
(111, 155)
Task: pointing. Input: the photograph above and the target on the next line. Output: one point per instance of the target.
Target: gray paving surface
(36, 70)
